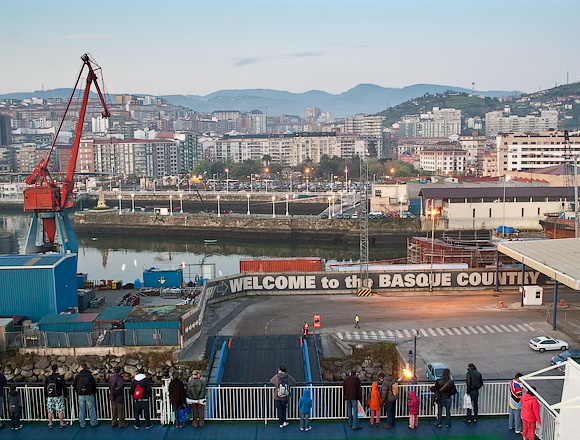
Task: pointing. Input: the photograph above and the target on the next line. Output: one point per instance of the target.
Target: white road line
(473, 330)
(449, 332)
(505, 328)
(432, 332)
(340, 335)
(382, 334)
(440, 332)
(480, 328)
(373, 334)
(489, 329)
(464, 330)
(399, 334)
(522, 327)
(424, 333)
(497, 328)
(407, 333)
(456, 330)
(530, 327)
(390, 333)
(514, 328)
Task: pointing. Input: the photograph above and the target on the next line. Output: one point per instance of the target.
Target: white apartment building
(437, 123)
(288, 149)
(443, 160)
(498, 122)
(527, 151)
(474, 146)
(367, 126)
(99, 124)
(258, 122)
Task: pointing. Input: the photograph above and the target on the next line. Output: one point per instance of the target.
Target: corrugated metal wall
(170, 278)
(65, 280)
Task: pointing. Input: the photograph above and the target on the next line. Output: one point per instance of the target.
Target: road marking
(340, 335)
(530, 327)
(440, 332)
(424, 333)
(432, 332)
(499, 330)
(480, 328)
(390, 333)
(407, 333)
(522, 327)
(373, 334)
(489, 329)
(464, 330)
(399, 334)
(473, 330)
(505, 328)
(382, 334)
(449, 332)
(456, 330)
(514, 328)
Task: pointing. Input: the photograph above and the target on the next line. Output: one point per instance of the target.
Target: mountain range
(364, 98)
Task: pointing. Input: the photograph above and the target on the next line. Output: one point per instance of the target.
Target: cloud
(245, 61)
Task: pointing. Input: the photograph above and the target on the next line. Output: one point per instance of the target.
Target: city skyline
(194, 47)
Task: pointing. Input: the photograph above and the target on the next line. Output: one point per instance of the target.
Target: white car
(543, 343)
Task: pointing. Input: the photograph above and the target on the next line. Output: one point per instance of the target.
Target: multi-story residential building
(489, 164)
(526, 151)
(475, 147)
(6, 159)
(189, 151)
(443, 160)
(369, 127)
(499, 122)
(257, 122)
(414, 145)
(289, 149)
(311, 114)
(5, 130)
(226, 115)
(437, 123)
(27, 157)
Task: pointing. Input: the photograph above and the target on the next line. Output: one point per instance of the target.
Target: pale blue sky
(198, 47)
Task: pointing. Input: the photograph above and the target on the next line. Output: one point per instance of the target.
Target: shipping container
(115, 314)
(67, 323)
(162, 277)
(6, 328)
(85, 297)
(81, 280)
(35, 285)
(280, 265)
(156, 317)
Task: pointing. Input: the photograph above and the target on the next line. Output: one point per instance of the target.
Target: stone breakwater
(335, 371)
(241, 226)
(35, 368)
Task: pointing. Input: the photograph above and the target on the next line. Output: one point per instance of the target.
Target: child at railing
(413, 404)
(375, 404)
(14, 407)
(304, 407)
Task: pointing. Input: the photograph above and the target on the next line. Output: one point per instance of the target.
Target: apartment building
(436, 123)
(369, 127)
(528, 151)
(288, 149)
(474, 146)
(499, 122)
(443, 160)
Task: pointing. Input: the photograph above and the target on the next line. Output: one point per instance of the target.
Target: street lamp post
(218, 200)
(248, 196)
(287, 198)
(341, 201)
(170, 204)
(333, 197)
(181, 203)
(273, 206)
(132, 202)
(227, 179)
(120, 197)
(433, 212)
(505, 180)
(346, 179)
(307, 174)
(329, 199)
(400, 206)
(251, 183)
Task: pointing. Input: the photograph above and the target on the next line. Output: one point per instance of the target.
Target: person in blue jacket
(304, 407)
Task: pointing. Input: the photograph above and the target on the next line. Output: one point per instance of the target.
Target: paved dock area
(487, 428)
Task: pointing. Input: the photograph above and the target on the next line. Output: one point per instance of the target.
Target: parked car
(543, 343)
(562, 365)
(565, 355)
(434, 370)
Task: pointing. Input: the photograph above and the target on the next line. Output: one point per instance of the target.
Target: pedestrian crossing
(434, 332)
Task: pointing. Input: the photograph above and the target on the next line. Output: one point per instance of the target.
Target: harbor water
(124, 258)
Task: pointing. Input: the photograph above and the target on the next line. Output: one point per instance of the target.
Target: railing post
(265, 406)
(166, 410)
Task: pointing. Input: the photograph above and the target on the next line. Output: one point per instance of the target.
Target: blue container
(64, 323)
(162, 278)
(81, 280)
(35, 285)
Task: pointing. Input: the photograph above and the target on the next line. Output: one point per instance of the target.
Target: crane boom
(48, 197)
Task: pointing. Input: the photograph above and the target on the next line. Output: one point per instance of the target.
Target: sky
(196, 47)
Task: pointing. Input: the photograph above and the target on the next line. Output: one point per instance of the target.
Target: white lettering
(462, 279)
(409, 280)
(397, 280)
(384, 280)
(446, 279)
(533, 277)
(296, 282)
(311, 282)
(281, 283)
(475, 279)
(256, 284)
(333, 283)
(487, 278)
(237, 285)
(422, 280)
(268, 282)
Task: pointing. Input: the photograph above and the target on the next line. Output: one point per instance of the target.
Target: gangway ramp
(255, 359)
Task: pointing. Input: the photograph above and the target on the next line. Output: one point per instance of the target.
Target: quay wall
(238, 226)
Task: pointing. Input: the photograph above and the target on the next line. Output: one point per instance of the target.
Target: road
(458, 329)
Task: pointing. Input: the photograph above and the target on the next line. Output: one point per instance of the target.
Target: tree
(202, 167)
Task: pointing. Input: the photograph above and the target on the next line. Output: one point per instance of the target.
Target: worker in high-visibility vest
(356, 321)
(305, 329)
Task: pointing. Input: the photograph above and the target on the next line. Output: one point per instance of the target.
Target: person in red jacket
(530, 415)
(375, 404)
(413, 404)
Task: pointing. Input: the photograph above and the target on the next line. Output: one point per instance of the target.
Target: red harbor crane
(51, 194)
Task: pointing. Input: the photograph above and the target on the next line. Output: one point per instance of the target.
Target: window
(522, 212)
(473, 212)
(489, 212)
(538, 211)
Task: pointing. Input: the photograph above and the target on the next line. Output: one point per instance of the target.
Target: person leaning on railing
(117, 398)
(55, 391)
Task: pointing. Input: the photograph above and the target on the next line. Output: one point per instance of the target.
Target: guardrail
(256, 403)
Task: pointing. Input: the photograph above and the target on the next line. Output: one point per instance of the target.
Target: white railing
(257, 403)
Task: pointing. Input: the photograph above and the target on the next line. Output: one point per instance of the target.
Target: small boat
(210, 241)
(559, 224)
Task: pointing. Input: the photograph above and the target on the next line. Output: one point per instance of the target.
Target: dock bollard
(561, 302)
(501, 304)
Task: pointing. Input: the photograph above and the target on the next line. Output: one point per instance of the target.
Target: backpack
(84, 385)
(138, 393)
(283, 388)
(395, 389)
(51, 388)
